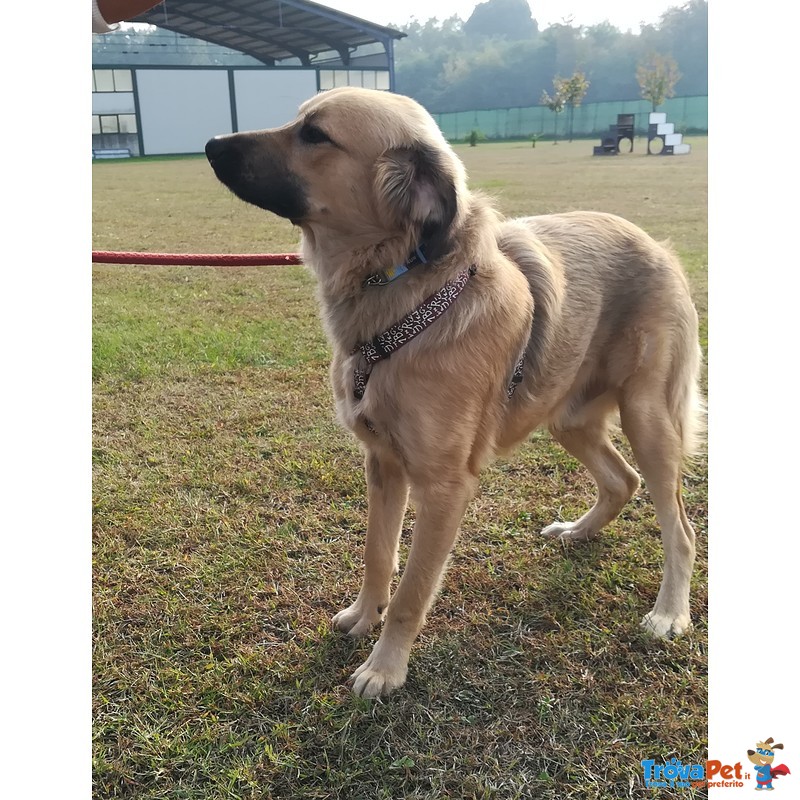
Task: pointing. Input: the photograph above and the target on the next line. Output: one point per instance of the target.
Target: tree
(510, 19)
(683, 33)
(603, 36)
(657, 76)
(555, 103)
(447, 68)
(573, 90)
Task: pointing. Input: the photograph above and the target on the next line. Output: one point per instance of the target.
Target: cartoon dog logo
(762, 757)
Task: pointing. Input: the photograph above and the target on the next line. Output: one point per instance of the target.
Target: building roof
(271, 30)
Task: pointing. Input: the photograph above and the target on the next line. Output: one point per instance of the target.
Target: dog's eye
(311, 134)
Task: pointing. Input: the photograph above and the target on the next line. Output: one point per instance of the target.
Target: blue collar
(388, 275)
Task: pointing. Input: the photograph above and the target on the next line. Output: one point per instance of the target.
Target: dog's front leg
(387, 492)
(440, 509)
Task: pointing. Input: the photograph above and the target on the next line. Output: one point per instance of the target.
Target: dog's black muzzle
(249, 165)
(225, 157)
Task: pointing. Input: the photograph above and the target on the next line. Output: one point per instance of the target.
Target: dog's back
(608, 300)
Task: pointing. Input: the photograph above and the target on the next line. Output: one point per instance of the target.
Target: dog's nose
(224, 153)
(214, 147)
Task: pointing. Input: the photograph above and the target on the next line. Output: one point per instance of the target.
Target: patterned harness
(401, 333)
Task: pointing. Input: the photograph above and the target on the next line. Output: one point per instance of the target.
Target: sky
(624, 14)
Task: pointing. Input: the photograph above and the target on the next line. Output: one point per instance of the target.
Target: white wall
(113, 103)
(180, 110)
(270, 98)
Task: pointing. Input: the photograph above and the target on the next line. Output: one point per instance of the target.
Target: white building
(221, 68)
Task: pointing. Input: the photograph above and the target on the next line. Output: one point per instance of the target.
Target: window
(112, 80)
(109, 123)
(127, 123)
(114, 123)
(368, 78)
(123, 81)
(103, 80)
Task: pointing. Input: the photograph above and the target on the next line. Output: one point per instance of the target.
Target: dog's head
(361, 163)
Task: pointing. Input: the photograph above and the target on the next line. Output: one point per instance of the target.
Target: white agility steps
(659, 130)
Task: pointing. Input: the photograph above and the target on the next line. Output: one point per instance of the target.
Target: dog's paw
(568, 532)
(375, 677)
(666, 626)
(358, 619)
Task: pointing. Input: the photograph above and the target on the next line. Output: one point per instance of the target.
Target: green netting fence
(689, 114)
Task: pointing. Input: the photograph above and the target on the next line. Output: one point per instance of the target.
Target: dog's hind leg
(616, 480)
(387, 490)
(657, 445)
(440, 507)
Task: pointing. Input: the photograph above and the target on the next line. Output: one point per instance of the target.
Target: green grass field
(229, 520)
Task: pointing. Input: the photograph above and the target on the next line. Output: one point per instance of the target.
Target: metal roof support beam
(304, 29)
(303, 55)
(388, 44)
(377, 31)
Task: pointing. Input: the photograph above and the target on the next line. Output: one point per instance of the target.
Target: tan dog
(601, 312)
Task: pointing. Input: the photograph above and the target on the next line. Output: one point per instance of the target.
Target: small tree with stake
(555, 104)
(573, 91)
(657, 76)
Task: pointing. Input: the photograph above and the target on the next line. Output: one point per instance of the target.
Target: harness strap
(401, 333)
(516, 378)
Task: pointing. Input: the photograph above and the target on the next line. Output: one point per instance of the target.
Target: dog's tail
(686, 405)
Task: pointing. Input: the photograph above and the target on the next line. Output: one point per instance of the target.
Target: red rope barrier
(198, 259)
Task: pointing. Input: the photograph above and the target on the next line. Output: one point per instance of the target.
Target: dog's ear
(416, 186)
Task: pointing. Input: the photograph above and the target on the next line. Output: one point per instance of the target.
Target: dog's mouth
(255, 176)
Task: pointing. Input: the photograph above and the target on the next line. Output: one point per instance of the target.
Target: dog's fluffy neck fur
(352, 313)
